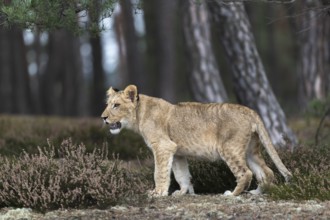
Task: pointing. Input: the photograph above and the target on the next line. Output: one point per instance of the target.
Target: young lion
(214, 131)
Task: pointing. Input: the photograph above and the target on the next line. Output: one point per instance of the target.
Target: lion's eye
(116, 105)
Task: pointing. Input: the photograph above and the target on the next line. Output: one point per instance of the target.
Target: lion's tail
(267, 143)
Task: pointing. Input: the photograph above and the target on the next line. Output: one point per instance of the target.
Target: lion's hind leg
(182, 176)
(235, 159)
(257, 164)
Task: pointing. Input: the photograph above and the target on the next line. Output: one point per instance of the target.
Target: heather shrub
(310, 167)
(74, 179)
(311, 174)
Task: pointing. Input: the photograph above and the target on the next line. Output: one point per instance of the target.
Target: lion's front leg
(163, 165)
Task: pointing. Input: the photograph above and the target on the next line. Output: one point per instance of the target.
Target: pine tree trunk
(61, 82)
(21, 96)
(250, 82)
(166, 14)
(130, 44)
(14, 79)
(313, 65)
(205, 80)
(98, 85)
(98, 78)
(5, 72)
(123, 79)
(74, 97)
(151, 66)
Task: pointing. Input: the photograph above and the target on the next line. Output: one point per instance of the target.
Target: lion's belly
(200, 151)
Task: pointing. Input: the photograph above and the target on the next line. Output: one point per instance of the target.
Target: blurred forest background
(59, 57)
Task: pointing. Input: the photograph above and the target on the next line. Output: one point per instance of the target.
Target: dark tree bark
(62, 82)
(123, 79)
(205, 80)
(166, 14)
(97, 101)
(98, 86)
(151, 40)
(326, 52)
(313, 64)
(21, 95)
(250, 82)
(131, 48)
(5, 72)
(14, 79)
(160, 18)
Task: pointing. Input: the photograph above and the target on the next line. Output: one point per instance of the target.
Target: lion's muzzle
(115, 128)
(116, 125)
(105, 119)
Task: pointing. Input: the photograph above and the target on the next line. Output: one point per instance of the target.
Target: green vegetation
(311, 170)
(50, 15)
(51, 162)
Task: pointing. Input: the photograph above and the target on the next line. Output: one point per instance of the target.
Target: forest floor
(190, 207)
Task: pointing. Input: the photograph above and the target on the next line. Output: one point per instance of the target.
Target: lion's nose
(105, 119)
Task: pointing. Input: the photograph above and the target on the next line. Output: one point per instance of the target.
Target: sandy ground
(190, 207)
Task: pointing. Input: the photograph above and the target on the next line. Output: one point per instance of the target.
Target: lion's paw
(228, 193)
(179, 192)
(257, 191)
(155, 193)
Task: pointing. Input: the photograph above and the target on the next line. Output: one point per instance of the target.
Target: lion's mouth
(115, 126)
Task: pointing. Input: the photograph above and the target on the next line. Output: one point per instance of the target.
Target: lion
(231, 132)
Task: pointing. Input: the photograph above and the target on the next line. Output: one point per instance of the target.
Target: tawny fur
(230, 132)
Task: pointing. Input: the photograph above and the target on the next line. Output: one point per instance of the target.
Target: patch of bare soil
(190, 207)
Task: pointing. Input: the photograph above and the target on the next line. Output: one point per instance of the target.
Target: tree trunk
(132, 52)
(151, 39)
(122, 69)
(205, 80)
(160, 18)
(250, 82)
(61, 83)
(5, 71)
(14, 79)
(97, 101)
(73, 95)
(326, 52)
(99, 87)
(21, 96)
(166, 14)
(313, 65)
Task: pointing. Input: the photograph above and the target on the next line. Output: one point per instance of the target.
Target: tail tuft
(288, 178)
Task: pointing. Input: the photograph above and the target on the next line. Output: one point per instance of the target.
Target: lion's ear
(111, 91)
(131, 92)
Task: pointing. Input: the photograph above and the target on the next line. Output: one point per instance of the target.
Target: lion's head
(121, 108)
